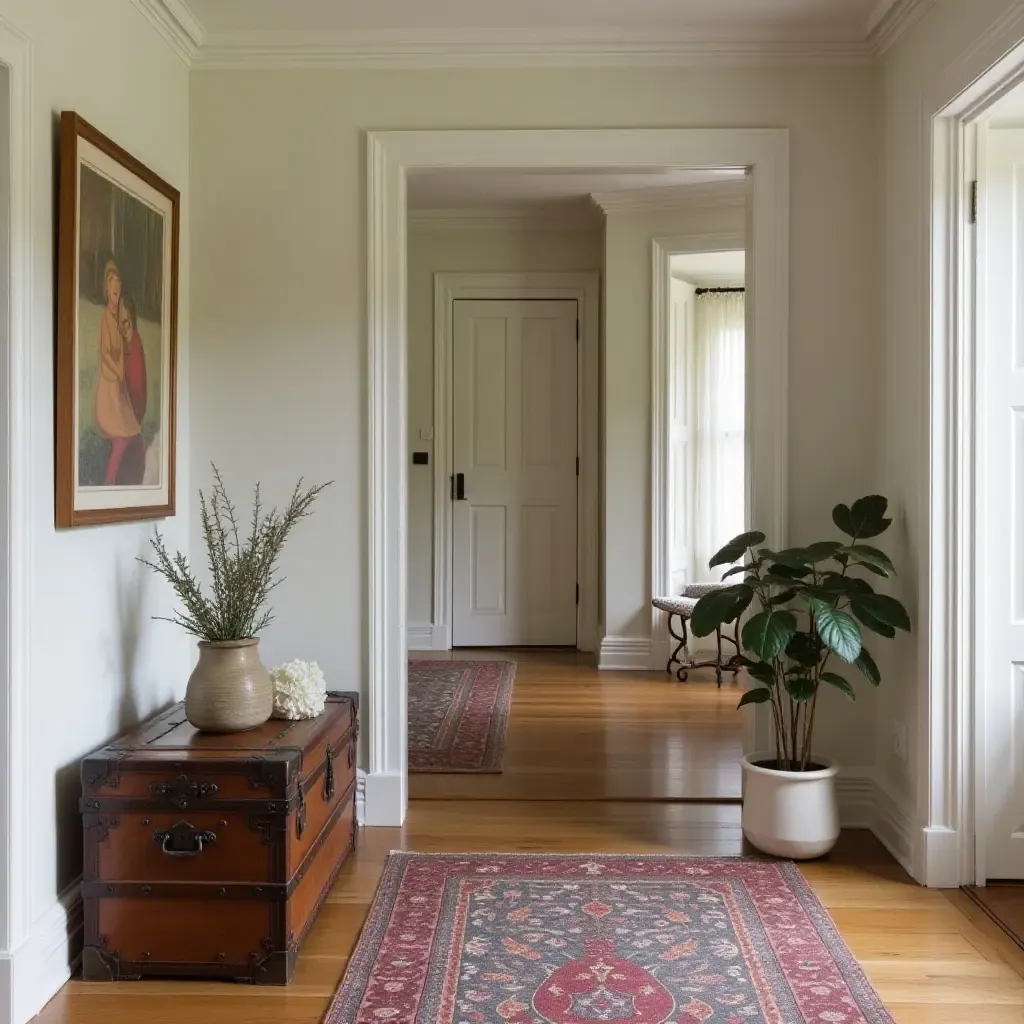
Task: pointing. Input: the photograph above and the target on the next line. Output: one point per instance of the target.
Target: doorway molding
(18, 983)
(944, 849)
(391, 156)
(585, 289)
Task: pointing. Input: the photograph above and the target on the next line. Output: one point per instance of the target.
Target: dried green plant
(242, 573)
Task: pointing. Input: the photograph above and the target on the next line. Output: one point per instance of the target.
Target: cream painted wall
(910, 79)
(98, 662)
(279, 283)
(494, 247)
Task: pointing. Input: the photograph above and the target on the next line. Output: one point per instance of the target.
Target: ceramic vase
(230, 689)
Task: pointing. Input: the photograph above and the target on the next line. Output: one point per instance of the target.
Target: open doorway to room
(505, 275)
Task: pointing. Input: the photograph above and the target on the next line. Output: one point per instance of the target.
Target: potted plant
(810, 607)
(229, 689)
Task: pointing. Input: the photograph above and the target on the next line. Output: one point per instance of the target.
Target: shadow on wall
(124, 648)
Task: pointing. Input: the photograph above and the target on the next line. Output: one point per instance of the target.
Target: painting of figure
(117, 298)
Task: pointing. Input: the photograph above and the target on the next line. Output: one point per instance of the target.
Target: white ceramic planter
(790, 814)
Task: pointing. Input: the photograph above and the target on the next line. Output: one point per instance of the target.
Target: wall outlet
(899, 740)
(426, 433)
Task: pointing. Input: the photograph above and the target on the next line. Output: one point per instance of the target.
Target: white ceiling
(727, 19)
(543, 189)
(711, 269)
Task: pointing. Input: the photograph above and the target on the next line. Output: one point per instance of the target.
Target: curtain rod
(719, 291)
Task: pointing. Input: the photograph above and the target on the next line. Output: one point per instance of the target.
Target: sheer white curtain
(719, 450)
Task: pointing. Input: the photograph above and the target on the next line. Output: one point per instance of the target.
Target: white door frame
(771, 497)
(585, 289)
(16, 542)
(391, 155)
(946, 854)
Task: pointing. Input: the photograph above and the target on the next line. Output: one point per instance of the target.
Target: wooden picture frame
(117, 328)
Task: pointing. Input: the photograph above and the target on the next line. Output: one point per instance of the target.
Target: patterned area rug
(458, 714)
(545, 939)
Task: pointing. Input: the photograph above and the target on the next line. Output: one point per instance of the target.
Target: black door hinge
(972, 202)
(577, 328)
(577, 593)
(577, 465)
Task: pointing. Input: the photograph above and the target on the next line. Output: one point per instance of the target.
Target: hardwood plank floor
(593, 764)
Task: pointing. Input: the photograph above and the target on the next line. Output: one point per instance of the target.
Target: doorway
(392, 158)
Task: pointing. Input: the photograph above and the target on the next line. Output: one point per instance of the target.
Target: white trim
(252, 50)
(625, 654)
(585, 288)
(37, 970)
(360, 797)
(526, 217)
(423, 636)
(947, 816)
(16, 437)
(891, 19)
(177, 25)
(390, 156)
(706, 195)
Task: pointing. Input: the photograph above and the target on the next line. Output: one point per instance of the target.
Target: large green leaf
(870, 621)
(720, 606)
(760, 695)
(736, 569)
(797, 558)
(868, 667)
(838, 630)
(867, 555)
(736, 548)
(837, 583)
(822, 550)
(761, 671)
(768, 633)
(839, 683)
(784, 597)
(882, 608)
(866, 518)
(801, 688)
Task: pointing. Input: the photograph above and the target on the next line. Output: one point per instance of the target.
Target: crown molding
(177, 25)
(669, 197)
(387, 50)
(891, 19)
(524, 218)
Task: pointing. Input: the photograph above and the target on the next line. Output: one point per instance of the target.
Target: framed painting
(117, 313)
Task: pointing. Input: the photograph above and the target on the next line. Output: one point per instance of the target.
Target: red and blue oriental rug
(548, 939)
(458, 714)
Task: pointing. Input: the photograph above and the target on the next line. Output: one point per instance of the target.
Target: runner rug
(458, 715)
(547, 939)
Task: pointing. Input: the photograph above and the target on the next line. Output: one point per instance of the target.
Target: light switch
(426, 433)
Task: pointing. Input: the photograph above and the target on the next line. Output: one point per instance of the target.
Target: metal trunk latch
(300, 813)
(329, 776)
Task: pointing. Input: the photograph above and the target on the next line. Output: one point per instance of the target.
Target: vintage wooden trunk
(210, 855)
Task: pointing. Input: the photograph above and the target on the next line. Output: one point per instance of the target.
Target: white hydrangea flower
(300, 690)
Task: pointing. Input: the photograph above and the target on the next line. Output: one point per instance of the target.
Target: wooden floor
(594, 764)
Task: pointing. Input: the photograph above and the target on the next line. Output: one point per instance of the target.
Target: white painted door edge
(390, 157)
(585, 288)
(946, 769)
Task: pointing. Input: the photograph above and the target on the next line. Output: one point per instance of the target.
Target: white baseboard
(939, 857)
(33, 973)
(625, 653)
(423, 636)
(360, 797)
(384, 802)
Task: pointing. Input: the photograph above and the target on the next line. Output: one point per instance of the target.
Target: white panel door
(514, 456)
(1001, 509)
(680, 456)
